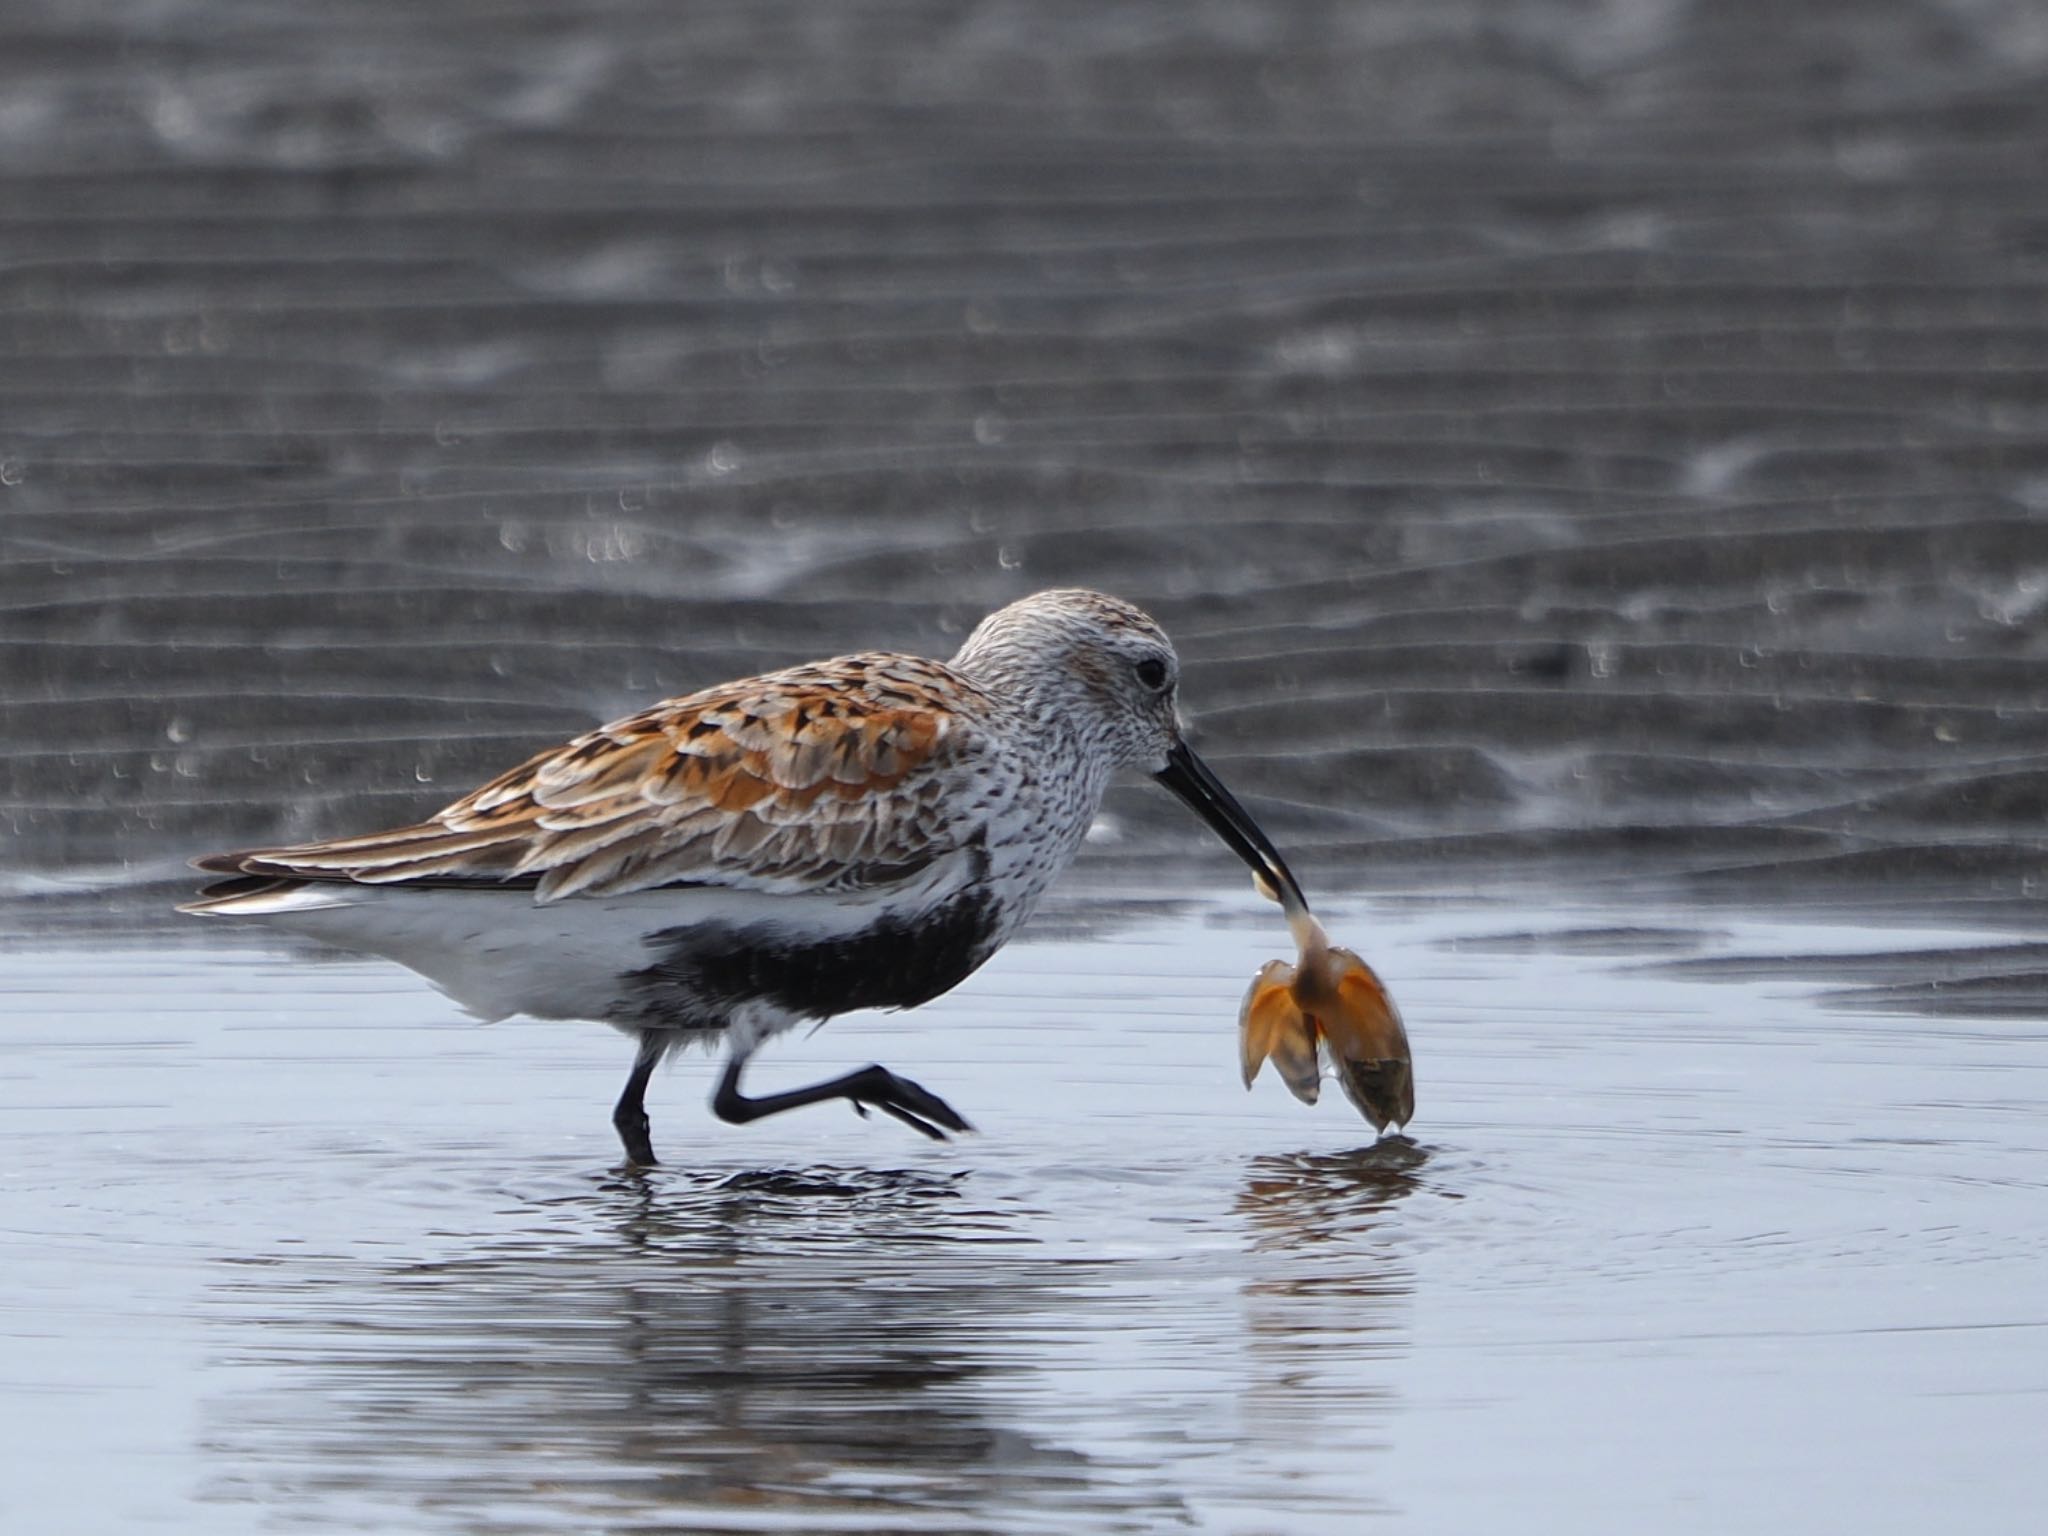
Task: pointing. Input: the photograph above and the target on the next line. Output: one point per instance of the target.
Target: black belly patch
(706, 971)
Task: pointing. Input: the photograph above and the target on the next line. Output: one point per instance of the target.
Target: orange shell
(1272, 1026)
(1331, 1002)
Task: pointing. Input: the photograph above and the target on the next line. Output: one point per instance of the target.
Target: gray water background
(1594, 460)
(1608, 435)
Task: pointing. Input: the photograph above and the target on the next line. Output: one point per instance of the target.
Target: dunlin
(856, 833)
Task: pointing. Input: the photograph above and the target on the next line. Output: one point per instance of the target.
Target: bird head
(1106, 667)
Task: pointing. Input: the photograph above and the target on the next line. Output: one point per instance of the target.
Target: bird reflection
(821, 1343)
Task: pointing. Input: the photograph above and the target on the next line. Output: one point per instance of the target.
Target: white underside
(500, 953)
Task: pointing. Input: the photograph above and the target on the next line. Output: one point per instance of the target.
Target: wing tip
(254, 896)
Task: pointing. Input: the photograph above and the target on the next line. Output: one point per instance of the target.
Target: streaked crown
(1103, 664)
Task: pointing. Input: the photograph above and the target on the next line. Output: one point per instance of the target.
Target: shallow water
(289, 1246)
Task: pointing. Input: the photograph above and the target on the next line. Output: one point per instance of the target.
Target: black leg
(893, 1095)
(630, 1115)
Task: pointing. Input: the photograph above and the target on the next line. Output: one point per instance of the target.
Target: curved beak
(1202, 792)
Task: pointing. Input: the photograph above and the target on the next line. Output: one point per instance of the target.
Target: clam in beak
(1202, 792)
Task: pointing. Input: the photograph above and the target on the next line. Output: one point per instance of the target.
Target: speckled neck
(1018, 662)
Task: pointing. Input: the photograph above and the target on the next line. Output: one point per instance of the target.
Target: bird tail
(265, 896)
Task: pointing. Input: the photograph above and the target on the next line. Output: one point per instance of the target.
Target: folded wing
(827, 778)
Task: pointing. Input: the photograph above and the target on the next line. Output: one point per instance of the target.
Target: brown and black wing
(828, 778)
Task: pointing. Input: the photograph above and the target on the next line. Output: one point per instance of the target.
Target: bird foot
(634, 1135)
(916, 1106)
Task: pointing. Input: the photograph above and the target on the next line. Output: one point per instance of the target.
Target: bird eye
(1152, 673)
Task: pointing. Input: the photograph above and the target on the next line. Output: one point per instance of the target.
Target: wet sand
(288, 1247)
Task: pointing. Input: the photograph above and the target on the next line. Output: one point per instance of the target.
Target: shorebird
(856, 833)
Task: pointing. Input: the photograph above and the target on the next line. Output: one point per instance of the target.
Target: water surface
(290, 1246)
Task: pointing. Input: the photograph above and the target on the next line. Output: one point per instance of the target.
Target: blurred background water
(1613, 435)
(1593, 456)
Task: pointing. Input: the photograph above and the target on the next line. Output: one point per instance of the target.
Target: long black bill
(1203, 793)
